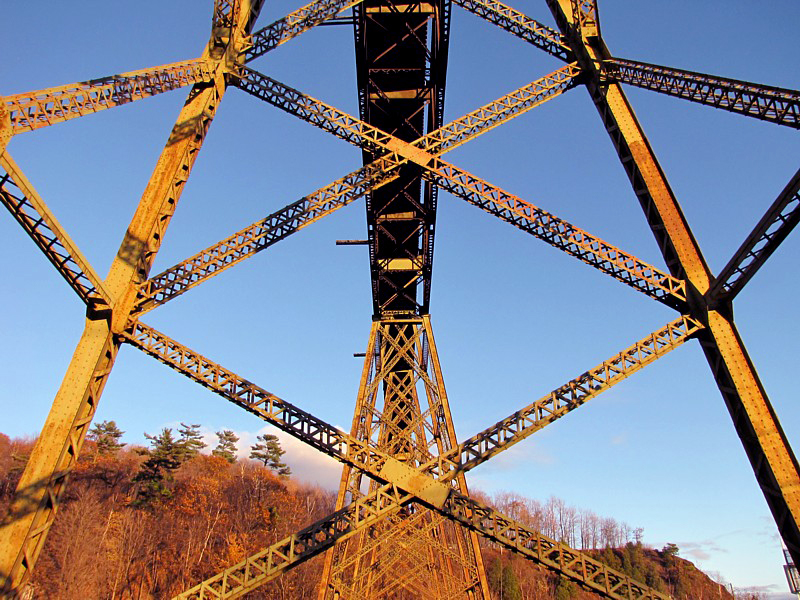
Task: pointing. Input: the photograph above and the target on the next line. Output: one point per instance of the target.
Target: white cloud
(308, 465)
(700, 551)
(620, 439)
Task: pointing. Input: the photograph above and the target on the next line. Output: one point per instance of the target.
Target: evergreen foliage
(191, 441)
(155, 473)
(503, 581)
(226, 447)
(212, 513)
(106, 436)
(269, 451)
(565, 589)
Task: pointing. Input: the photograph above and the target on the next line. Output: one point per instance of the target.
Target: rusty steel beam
(24, 530)
(289, 27)
(520, 25)
(559, 233)
(361, 455)
(33, 110)
(292, 551)
(203, 265)
(768, 234)
(773, 104)
(368, 137)
(502, 110)
(256, 400)
(254, 238)
(770, 454)
(434, 494)
(20, 198)
(523, 423)
(270, 563)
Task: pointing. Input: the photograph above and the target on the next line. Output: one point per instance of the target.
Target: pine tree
(565, 589)
(155, 474)
(270, 452)
(191, 441)
(504, 582)
(226, 448)
(106, 436)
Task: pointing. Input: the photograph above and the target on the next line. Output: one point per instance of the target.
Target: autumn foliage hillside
(136, 524)
(106, 545)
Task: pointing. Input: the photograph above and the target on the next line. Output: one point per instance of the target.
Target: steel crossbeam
(203, 265)
(289, 27)
(756, 423)
(560, 234)
(363, 456)
(499, 111)
(429, 481)
(436, 494)
(773, 104)
(520, 25)
(590, 249)
(30, 211)
(33, 508)
(771, 230)
(269, 563)
(33, 110)
(521, 424)
(254, 238)
(370, 138)
(254, 399)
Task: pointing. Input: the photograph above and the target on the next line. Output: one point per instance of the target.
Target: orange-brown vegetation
(209, 513)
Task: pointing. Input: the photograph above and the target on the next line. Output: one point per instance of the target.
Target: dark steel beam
(520, 25)
(770, 454)
(30, 211)
(771, 230)
(773, 104)
(289, 27)
(254, 238)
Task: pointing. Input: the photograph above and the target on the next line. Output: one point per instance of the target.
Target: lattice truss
(403, 481)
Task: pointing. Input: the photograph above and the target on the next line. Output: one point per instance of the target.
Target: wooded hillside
(140, 524)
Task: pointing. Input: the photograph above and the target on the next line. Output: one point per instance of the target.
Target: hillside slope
(141, 524)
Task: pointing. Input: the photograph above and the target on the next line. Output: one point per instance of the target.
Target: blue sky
(513, 318)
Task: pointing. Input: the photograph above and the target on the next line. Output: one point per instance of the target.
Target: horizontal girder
(41, 108)
(773, 104)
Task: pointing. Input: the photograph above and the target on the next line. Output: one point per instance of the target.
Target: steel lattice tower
(403, 504)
